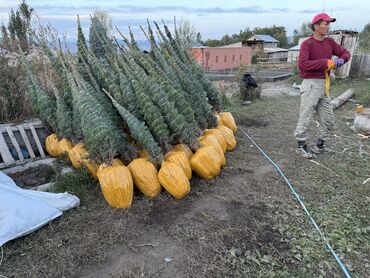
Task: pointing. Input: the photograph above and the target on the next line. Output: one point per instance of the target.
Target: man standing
(315, 62)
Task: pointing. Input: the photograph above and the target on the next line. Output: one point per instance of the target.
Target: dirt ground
(244, 223)
(33, 176)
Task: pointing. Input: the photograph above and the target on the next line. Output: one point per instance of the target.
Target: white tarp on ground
(24, 211)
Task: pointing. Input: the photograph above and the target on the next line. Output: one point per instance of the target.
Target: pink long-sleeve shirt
(313, 56)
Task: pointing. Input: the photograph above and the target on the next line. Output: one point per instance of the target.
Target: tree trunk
(339, 101)
(361, 123)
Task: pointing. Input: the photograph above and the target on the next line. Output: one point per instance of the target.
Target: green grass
(337, 199)
(244, 223)
(338, 86)
(78, 182)
(361, 87)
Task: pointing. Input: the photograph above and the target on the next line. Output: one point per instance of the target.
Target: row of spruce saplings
(117, 180)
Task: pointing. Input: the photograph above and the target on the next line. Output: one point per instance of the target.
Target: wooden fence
(21, 143)
(360, 66)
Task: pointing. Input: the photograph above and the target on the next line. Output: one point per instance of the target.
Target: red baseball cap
(323, 16)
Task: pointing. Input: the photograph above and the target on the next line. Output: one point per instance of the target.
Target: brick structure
(222, 58)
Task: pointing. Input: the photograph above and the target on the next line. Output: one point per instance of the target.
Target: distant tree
(277, 32)
(364, 38)
(18, 29)
(187, 33)
(244, 34)
(13, 93)
(226, 39)
(212, 42)
(303, 32)
(199, 38)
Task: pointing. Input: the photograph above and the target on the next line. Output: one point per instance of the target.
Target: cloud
(137, 9)
(254, 9)
(62, 14)
(67, 25)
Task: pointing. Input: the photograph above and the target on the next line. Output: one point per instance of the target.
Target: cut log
(339, 101)
(361, 123)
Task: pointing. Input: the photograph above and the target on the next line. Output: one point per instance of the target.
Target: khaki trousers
(313, 99)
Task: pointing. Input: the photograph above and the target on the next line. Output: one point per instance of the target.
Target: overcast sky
(212, 18)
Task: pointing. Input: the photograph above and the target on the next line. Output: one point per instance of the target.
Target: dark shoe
(304, 152)
(321, 149)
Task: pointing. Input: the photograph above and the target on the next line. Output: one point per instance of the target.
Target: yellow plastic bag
(181, 160)
(144, 154)
(228, 120)
(76, 154)
(117, 162)
(91, 166)
(145, 176)
(219, 121)
(65, 146)
(52, 145)
(174, 180)
(219, 136)
(81, 156)
(360, 109)
(116, 184)
(229, 137)
(210, 140)
(183, 148)
(206, 162)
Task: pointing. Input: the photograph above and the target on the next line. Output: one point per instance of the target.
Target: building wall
(348, 41)
(270, 44)
(197, 53)
(301, 40)
(222, 58)
(258, 47)
(360, 65)
(293, 55)
(278, 55)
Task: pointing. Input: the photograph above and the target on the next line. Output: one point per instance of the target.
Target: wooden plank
(37, 140)
(30, 164)
(5, 153)
(37, 123)
(43, 187)
(15, 144)
(26, 141)
(15, 128)
(4, 167)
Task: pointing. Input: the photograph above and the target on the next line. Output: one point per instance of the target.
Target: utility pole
(323, 5)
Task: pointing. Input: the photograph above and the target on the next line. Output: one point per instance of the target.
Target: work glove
(339, 62)
(331, 64)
